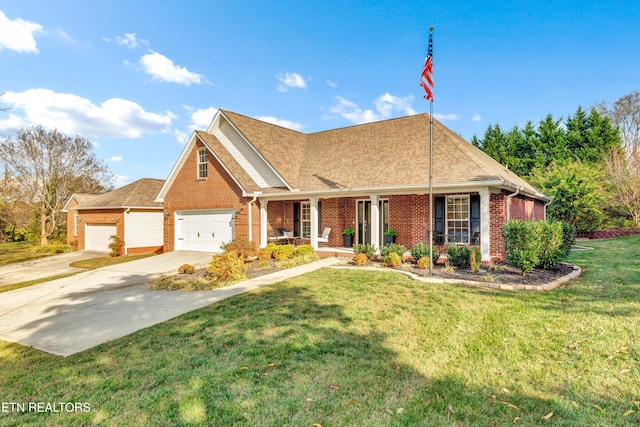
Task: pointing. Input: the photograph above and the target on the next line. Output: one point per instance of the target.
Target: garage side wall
(217, 191)
(101, 216)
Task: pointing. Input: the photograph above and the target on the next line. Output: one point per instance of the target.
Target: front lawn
(342, 347)
(19, 252)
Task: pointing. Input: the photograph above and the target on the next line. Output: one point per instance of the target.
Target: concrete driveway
(72, 314)
(53, 265)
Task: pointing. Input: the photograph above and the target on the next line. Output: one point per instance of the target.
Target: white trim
(313, 210)
(485, 224)
(263, 223)
(284, 181)
(446, 217)
(199, 152)
(375, 221)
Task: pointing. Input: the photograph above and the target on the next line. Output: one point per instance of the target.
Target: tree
(625, 114)
(625, 184)
(48, 166)
(577, 193)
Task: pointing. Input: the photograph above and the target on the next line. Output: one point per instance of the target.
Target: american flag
(426, 79)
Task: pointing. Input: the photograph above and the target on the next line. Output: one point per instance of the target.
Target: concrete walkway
(72, 314)
(49, 266)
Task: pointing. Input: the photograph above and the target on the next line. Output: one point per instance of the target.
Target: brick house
(129, 212)
(243, 178)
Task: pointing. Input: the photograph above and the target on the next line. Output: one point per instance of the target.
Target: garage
(203, 230)
(97, 236)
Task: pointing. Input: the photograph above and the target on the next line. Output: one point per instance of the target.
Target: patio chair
(325, 236)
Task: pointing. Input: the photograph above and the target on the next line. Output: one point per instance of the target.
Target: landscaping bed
(502, 273)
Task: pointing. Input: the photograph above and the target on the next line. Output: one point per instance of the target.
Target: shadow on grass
(288, 354)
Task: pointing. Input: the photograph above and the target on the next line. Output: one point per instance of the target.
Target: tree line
(588, 163)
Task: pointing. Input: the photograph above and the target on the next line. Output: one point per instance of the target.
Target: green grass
(106, 260)
(19, 251)
(341, 347)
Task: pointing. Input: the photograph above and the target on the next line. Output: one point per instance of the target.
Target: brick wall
(526, 208)
(498, 209)
(216, 191)
(101, 216)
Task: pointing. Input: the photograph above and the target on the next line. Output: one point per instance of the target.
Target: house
(243, 177)
(129, 212)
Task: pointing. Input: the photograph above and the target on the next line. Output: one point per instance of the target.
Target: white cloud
(116, 158)
(18, 35)
(72, 114)
(287, 80)
(162, 68)
(476, 118)
(130, 40)
(281, 122)
(332, 84)
(385, 104)
(201, 118)
(182, 137)
(450, 116)
(119, 180)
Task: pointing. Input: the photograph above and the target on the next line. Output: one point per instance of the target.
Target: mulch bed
(504, 273)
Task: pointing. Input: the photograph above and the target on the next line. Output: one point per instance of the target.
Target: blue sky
(136, 77)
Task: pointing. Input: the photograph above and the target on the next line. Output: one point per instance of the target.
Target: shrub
(392, 260)
(360, 259)
(186, 269)
(227, 267)
(459, 256)
(368, 250)
(420, 250)
(475, 259)
(392, 248)
(297, 260)
(305, 250)
(551, 250)
(521, 244)
(568, 237)
(284, 252)
(243, 247)
(423, 262)
(116, 246)
(266, 252)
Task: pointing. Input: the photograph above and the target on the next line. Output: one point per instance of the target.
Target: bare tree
(48, 166)
(625, 183)
(625, 113)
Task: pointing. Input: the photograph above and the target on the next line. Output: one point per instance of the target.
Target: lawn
(342, 347)
(18, 252)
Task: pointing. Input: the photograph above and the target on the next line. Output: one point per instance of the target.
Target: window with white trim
(457, 217)
(202, 163)
(305, 219)
(76, 223)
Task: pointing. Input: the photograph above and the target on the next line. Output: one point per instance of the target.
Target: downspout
(126, 238)
(545, 209)
(509, 202)
(251, 218)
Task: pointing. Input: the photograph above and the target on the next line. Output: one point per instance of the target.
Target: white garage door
(203, 231)
(96, 236)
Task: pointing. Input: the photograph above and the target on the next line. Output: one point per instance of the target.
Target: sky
(137, 77)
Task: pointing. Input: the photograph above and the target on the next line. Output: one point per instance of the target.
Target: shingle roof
(141, 193)
(387, 153)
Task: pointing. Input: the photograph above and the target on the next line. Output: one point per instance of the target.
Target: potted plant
(390, 236)
(347, 235)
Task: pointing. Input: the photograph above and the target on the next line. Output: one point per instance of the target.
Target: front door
(363, 213)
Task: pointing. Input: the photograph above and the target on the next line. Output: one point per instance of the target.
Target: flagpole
(431, 187)
(431, 164)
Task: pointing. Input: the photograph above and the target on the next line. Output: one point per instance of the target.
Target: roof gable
(141, 193)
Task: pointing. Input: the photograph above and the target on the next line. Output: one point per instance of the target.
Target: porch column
(313, 207)
(375, 221)
(485, 221)
(263, 223)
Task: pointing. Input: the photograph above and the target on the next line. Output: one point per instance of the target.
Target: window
(76, 223)
(457, 219)
(305, 219)
(202, 163)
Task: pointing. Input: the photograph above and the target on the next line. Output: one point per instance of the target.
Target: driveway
(72, 314)
(54, 265)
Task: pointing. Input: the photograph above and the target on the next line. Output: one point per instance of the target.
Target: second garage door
(97, 236)
(204, 231)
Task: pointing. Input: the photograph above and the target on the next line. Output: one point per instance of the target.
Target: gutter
(509, 197)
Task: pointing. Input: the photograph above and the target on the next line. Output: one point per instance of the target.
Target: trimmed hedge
(540, 244)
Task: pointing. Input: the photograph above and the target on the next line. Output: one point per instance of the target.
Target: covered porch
(458, 218)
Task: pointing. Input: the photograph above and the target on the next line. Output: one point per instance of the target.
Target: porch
(459, 218)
